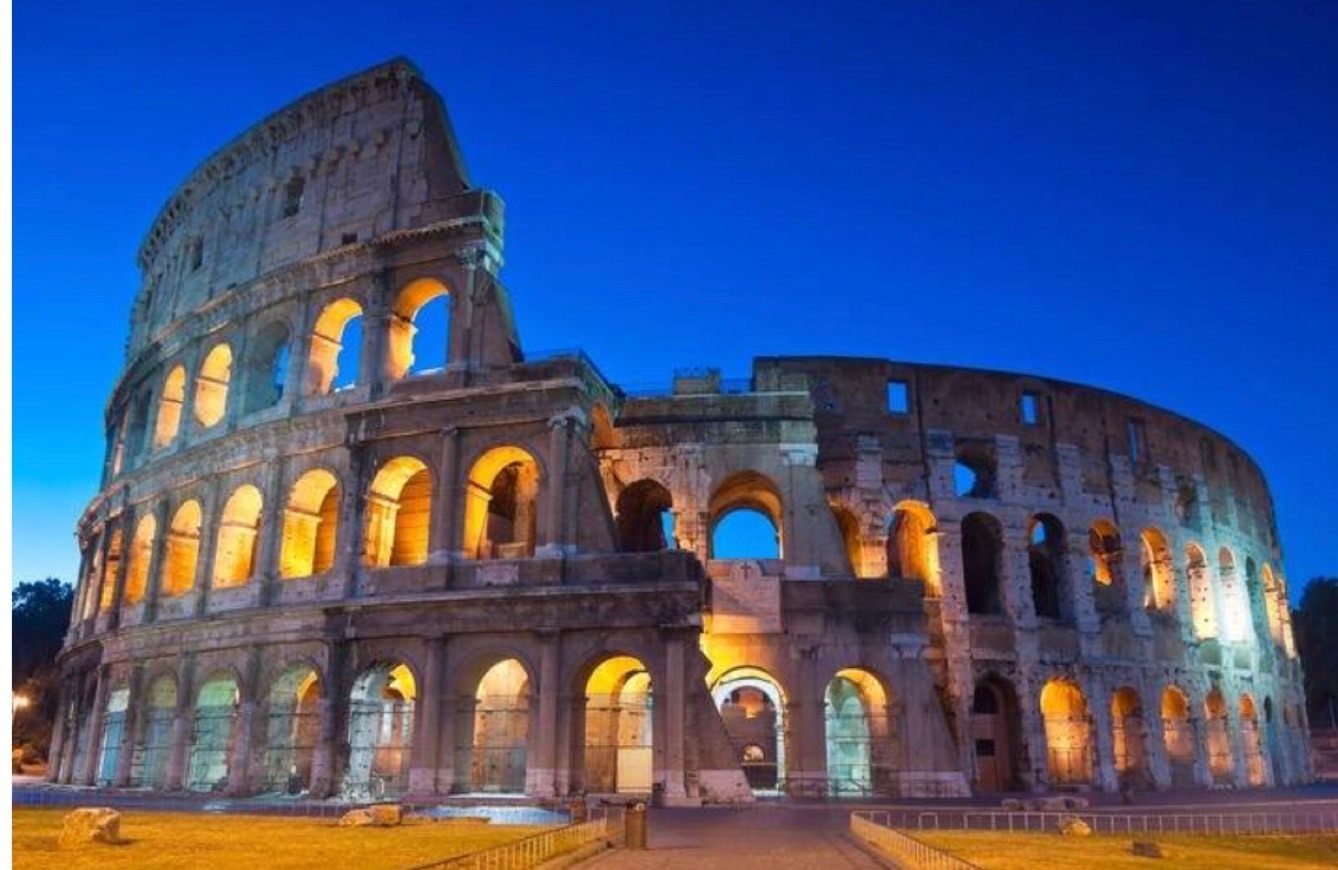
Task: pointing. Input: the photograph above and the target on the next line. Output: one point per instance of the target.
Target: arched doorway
(113, 731)
(1251, 742)
(1220, 763)
(645, 518)
(291, 729)
(994, 734)
(1128, 734)
(912, 546)
(1178, 735)
(752, 706)
(1068, 733)
(502, 505)
(618, 754)
(859, 749)
(148, 766)
(380, 732)
(494, 734)
(213, 733)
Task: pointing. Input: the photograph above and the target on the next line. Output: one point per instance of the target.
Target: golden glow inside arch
(111, 570)
(616, 674)
(326, 341)
(1174, 704)
(141, 554)
(508, 536)
(1158, 571)
(871, 689)
(402, 328)
(399, 513)
(1104, 550)
(183, 549)
(169, 407)
(211, 387)
(912, 546)
(238, 529)
(310, 523)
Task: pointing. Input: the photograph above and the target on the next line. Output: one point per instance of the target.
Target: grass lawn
(1054, 852)
(167, 841)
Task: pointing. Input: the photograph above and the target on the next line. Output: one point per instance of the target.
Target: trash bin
(634, 826)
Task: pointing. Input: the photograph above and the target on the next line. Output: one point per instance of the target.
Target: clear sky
(1136, 195)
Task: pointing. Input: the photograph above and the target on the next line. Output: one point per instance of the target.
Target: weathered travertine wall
(332, 566)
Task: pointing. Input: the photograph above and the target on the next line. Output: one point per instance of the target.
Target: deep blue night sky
(1139, 196)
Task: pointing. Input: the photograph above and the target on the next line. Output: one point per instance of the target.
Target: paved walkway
(783, 838)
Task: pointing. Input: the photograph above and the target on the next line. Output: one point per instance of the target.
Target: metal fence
(534, 850)
(1230, 823)
(903, 848)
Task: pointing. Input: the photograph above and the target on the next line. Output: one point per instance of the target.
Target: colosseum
(324, 563)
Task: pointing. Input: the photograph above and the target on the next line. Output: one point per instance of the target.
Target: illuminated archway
(183, 550)
(1105, 552)
(994, 734)
(752, 705)
(265, 368)
(1178, 735)
(310, 524)
(113, 731)
(497, 730)
(848, 525)
(1129, 736)
(238, 529)
(291, 730)
(213, 732)
(1235, 602)
(148, 767)
(741, 507)
(141, 557)
(1220, 762)
(111, 571)
(617, 752)
(1272, 596)
(858, 736)
(418, 298)
(1067, 733)
(328, 358)
(211, 387)
(1158, 572)
(501, 505)
(169, 407)
(1251, 742)
(912, 546)
(1202, 608)
(380, 732)
(399, 514)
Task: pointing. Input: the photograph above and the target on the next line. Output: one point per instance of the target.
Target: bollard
(634, 826)
(579, 811)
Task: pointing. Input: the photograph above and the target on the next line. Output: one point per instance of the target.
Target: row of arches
(416, 342)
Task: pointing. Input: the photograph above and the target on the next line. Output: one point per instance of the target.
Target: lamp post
(20, 701)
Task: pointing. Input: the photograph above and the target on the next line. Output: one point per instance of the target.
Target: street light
(20, 701)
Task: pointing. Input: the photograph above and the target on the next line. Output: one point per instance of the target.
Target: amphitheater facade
(323, 562)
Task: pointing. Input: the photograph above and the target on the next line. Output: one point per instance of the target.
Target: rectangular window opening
(1137, 441)
(1029, 409)
(898, 397)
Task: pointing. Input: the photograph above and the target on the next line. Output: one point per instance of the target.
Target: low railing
(1229, 823)
(902, 848)
(533, 850)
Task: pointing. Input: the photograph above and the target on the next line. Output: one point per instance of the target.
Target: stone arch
(141, 558)
(1158, 571)
(1273, 609)
(1202, 609)
(380, 730)
(996, 734)
(493, 730)
(912, 546)
(113, 732)
(1046, 559)
(1236, 606)
(211, 386)
(238, 533)
(616, 732)
(310, 525)
(1105, 555)
(1251, 741)
(183, 549)
(860, 740)
(111, 570)
(213, 731)
(153, 749)
(399, 514)
(1221, 764)
(324, 360)
(1178, 735)
(848, 525)
(644, 517)
(266, 367)
(747, 491)
(752, 704)
(292, 728)
(170, 404)
(403, 330)
(982, 563)
(1129, 736)
(1068, 732)
(502, 504)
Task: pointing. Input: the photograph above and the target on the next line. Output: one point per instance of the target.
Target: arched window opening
(1104, 554)
(266, 368)
(1067, 733)
(618, 740)
(120, 442)
(1202, 609)
(745, 518)
(214, 730)
(419, 329)
(183, 550)
(1158, 572)
(111, 571)
(336, 345)
(1234, 600)
(113, 731)
(912, 547)
(1252, 743)
(994, 735)
(860, 750)
(645, 518)
(982, 563)
(1128, 733)
(497, 730)
(848, 526)
(310, 523)
(1272, 596)
(137, 426)
(211, 387)
(380, 732)
(1045, 559)
(399, 514)
(148, 767)
(238, 531)
(169, 408)
(752, 705)
(1220, 763)
(291, 732)
(974, 474)
(501, 505)
(92, 581)
(141, 555)
(1179, 736)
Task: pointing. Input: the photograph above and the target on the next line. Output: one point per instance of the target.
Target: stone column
(1082, 602)
(540, 776)
(58, 747)
(179, 758)
(88, 775)
(1240, 773)
(1099, 713)
(375, 338)
(155, 578)
(129, 735)
(444, 544)
(122, 567)
(324, 759)
(1154, 745)
(674, 732)
(1203, 775)
(555, 537)
(423, 762)
(204, 564)
(352, 510)
(245, 728)
(271, 530)
(1016, 580)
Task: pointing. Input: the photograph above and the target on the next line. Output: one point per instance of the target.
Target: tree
(41, 617)
(1315, 624)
